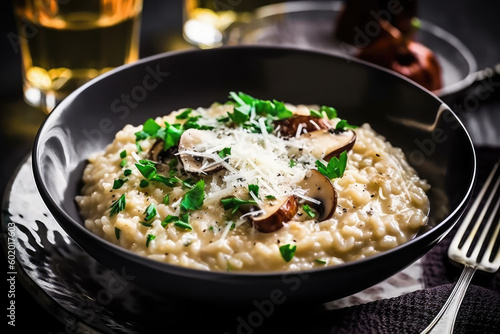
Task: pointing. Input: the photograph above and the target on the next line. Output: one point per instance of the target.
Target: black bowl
(434, 140)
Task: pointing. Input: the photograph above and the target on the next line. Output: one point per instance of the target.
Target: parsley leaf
(307, 209)
(235, 203)
(335, 168)
(117, 233)
(123, 154)
(117, 184)
(117, 206)
(288, 252)
(166, 199)
(315, 113)
(149, 238)
(183, 222)
(330, 111)
(148, 170)
(193, 199)
(172, 135)
(169, 219)
(253, 188)
(184, 114)
(150, 212)
(343, 125)
(224, 152)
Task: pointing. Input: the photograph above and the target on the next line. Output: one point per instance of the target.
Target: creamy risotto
(252, 185)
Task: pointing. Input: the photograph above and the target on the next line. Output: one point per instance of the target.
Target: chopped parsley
(288, 252)
(270, 197)
(226, 151)
(182, 221)
(247, 105)
(117, 206)
(150, 212)
(148, 170)
(193, 199)
(123, 163)
(329, 111)
(184, 114)
(166, 199)
(320, 261)
(117, 184)
(293, 163)
(169, 219)
(343, 125)
(117, 233)
(149, 238)
(144, 183)
(307, 209)
(147, 224)
(253, 188)
(235, 203)
(127, 172)
(335, 168)
(123, 154)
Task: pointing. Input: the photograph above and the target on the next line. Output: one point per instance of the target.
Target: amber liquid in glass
(206, 20)
(66, 43)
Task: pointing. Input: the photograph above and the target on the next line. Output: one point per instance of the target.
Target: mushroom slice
(159, 155)
(290, 126)
(330, 143)
(320, 188)
(276, 213)
(194, 163)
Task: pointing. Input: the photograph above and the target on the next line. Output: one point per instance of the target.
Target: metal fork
(476, 246)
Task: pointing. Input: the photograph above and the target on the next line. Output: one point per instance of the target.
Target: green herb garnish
(343, 125)
(123, 154)
(253, 188)
(235, 203)
(335, 168)
(117, 206)
(329, 111)
(169, 219)
(320, 261)
(147, 224)
(288, 251)
(150, 212)
(149, 238)
(184, 114)
(166, 199)
(193, 199)
(117, 184)
(117, 233)
(144, 183)
(224, 152)
(127, 172)
(183, 222)
(307, 209)
(293, 163)
(270, 197)
(148, 170)
(123, 163)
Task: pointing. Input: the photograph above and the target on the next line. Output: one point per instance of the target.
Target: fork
(476, 246)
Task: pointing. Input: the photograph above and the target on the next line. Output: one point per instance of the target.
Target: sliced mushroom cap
(288, 127)
(276, 214)
(330, 143)
(193, 163)
(321, 189)
(159, 155)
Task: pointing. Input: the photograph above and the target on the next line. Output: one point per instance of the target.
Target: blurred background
(475, 23)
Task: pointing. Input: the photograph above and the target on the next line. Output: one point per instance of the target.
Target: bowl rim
(64, 219)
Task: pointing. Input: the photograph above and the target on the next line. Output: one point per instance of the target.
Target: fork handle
(445, 319)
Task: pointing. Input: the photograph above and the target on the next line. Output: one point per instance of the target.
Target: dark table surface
(474, 22)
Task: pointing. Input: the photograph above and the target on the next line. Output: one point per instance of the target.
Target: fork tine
(467, 233)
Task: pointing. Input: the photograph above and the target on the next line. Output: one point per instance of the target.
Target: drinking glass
(65, 43)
